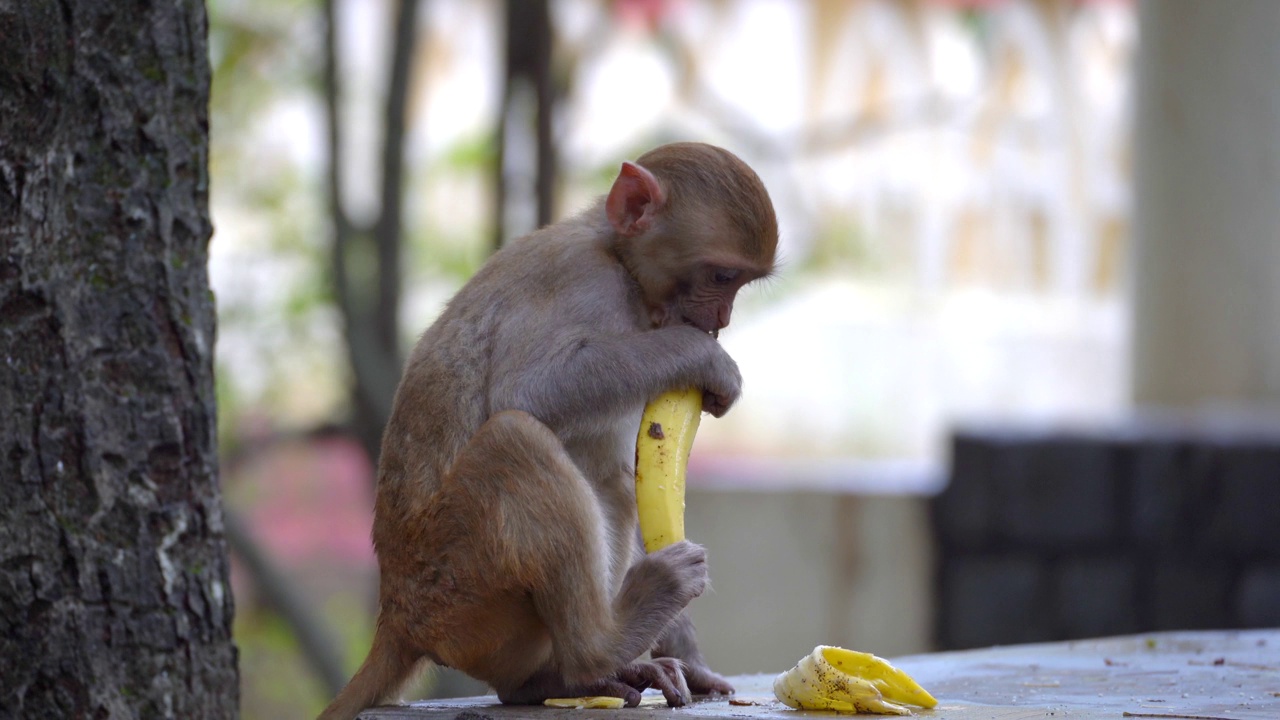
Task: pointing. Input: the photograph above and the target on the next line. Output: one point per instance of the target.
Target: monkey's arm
(584, 378)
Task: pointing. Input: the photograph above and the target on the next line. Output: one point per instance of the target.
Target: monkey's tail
(378, 680)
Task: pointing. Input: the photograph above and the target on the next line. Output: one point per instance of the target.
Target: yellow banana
(666, 435)
(833, 678)
(594, 701)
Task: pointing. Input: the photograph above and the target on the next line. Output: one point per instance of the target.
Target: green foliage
(275, 682)
(441, 252)
(257, 48)
(269, 249)
(842, 245)
(477, 154)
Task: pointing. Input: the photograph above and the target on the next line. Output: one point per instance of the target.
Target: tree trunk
(525, 174)
(114, 592)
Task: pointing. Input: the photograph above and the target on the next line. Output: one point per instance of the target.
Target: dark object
(1133, 528)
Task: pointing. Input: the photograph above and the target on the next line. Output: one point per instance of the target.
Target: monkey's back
(470, 363)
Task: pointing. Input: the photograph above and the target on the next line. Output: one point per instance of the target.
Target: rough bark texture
(114, 594)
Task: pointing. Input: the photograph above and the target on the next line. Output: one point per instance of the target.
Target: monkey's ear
(634, 200)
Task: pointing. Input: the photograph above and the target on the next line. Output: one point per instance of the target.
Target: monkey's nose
(722, 315)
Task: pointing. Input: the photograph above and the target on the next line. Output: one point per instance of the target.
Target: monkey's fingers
(702, 681)
(715, 405)
(664, 674)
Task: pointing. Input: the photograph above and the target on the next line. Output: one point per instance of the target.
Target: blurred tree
(370, 301)
(114, 588)
(370, 304)
(525, 172)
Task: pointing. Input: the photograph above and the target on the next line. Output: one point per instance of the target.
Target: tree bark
(114, 592)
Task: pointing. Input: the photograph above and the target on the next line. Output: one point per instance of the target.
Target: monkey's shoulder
(534, 296)
(561, 278)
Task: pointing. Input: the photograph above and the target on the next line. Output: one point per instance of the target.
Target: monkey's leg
(551, 543)
(549, 684)
(665, 674)
(679, 641)
(643, 609)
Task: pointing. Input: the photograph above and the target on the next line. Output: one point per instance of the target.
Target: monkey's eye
(724, 277)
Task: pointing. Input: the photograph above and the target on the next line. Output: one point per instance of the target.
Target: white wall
(1207, 204)
(791, 570)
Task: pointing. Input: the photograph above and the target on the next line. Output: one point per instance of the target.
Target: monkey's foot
(702, 681)
(665, 674)
(605, 702)
(545, 685)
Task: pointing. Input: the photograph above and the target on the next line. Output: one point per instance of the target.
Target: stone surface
(1216, 675)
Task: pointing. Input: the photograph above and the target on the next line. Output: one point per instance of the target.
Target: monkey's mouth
(714, 332)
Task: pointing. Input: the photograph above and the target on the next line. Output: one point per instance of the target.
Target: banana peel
(833, 678)
(667, 428)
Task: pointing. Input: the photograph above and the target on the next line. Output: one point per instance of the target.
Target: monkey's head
(693, 225)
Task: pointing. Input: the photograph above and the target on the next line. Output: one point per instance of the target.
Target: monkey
(504, 520)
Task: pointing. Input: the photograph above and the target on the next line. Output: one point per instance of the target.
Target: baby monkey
(505, 521)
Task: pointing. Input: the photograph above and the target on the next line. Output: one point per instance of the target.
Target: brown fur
(505, 515)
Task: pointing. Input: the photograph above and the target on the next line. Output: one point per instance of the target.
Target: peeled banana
(833, 678)
(666, 435)
(594, 701)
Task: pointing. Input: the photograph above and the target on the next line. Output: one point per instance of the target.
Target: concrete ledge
(1201, 675)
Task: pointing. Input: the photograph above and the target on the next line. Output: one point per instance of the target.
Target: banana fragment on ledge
(833, 678)
(595, 701)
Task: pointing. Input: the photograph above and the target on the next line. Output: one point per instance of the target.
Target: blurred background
(1015, 381)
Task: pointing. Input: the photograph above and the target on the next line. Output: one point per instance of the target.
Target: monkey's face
(697, 283)
(705, 299)
(693, 240)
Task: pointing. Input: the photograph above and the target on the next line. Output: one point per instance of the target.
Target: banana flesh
(594, 701)
(833, 678)
(667, 428)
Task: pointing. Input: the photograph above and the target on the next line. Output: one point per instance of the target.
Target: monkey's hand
(719, 379)
(678, 680)
(702, 681)
(665, 674)
(679, 642)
